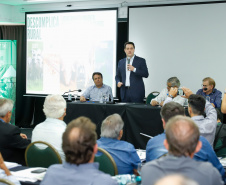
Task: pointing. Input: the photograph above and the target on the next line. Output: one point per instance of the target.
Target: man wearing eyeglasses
(210, 93)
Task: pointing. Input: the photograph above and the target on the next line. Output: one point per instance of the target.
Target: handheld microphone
(204, 89)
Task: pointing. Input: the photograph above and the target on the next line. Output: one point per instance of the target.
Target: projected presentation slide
(65, 48)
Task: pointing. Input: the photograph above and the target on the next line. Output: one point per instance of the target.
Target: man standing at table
(129, 75)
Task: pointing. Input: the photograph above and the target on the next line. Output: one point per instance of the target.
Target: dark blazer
(12, 145)
(137, 89)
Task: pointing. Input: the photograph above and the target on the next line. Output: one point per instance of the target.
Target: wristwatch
(171, 96)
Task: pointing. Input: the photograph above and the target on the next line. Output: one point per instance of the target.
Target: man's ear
(198, 146)
(163, 123)
(120, 134)
(95, 148)
(211, 86)
(189, 110)
(166, 144)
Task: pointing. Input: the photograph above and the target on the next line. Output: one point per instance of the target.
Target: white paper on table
(10, 165)
(223, 162)
(141, 154)
(26, 175)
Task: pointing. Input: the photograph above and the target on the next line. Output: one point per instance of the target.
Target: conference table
(138, 118)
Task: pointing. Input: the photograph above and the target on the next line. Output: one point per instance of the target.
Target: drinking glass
(139, 166)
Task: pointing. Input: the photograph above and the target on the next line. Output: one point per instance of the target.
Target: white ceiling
(27, 2)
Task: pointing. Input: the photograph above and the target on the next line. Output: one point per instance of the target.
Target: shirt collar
(199, 117)
(2, 120)
(94, 165)
(51, 120)
(94, 86)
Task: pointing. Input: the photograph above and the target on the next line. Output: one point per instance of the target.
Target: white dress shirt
(50, 131)
(207, 126)
(128, 72)
(163, 96)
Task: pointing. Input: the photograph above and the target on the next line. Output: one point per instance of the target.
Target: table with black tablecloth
(138, 118)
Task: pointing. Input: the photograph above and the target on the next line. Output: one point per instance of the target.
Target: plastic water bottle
(132, 181)
(69, 95)
(138, 179)
(101, 97)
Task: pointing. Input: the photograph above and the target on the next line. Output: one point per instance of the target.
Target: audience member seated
(123, 153)
(175, 179)
(223, 106)
(182, 142)
(209, 90)
(5, 173)
(51, 130)
(12, 142)
(97, 91)
(155, 148)
(80, 147)
(197, 106)
(172, 82)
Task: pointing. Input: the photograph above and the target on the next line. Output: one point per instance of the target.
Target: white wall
(184, 41)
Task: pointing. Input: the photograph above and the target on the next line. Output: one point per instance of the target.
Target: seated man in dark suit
(123, 153)
(156, 149)
(12, 142)
(182, 142)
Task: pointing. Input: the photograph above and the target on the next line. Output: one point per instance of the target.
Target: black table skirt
(138, 118)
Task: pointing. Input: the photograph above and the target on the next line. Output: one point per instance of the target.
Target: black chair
(106, 162)
(41, 154)
(220, 141)
(151, 96)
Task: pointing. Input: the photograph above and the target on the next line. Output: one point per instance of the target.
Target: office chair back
(4, 181)
(41, 154)
(220, 141)
(106, 162)
(151, 96)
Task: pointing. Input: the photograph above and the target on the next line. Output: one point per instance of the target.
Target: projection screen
(187, 41)
(65, 48)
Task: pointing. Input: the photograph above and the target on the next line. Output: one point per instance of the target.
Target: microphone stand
(79, 90)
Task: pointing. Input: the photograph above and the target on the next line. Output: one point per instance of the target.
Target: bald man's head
(182, 136)
(79, 140)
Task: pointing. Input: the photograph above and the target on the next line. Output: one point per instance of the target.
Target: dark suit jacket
(12, 145)
(137, 89)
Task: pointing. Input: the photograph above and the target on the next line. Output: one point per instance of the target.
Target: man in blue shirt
(98, 91)
(156, 149)
(123, 153)
(210, 93)
(80, 147)
(182, 142)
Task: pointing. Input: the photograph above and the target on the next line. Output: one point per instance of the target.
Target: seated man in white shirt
(97, 91)
(52, 129)
(160, 99)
